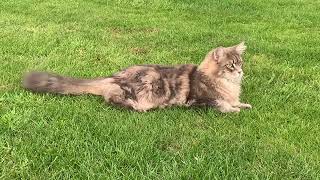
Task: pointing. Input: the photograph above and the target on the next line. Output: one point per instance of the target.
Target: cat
(216, 82)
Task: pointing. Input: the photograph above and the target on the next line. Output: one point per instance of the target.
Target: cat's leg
(136, 105)
(242, 105)
(116, 95)
(119, 95)
(143, 104)
(245, 106)
(120, 100)
(225, 107)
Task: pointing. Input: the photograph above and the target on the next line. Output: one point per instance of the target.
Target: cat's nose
(240, 71)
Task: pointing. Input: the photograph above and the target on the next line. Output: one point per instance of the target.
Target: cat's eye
(230, 66)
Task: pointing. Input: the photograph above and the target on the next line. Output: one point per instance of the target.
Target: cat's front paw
(245, 106)
(229, 109)
(225, 107)
(235, 110)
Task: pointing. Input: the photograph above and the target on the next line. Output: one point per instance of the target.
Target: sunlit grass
(46, 136)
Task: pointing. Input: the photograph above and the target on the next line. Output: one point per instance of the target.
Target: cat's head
(225, 62)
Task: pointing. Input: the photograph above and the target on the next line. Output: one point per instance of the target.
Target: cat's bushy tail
(47, 82)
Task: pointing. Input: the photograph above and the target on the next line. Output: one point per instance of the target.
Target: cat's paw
(225, 107)
(230, 109)
(235, 110)
(245, 106)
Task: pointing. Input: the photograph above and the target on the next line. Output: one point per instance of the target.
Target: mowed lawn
(45, 136)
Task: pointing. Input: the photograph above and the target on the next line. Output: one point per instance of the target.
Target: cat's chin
(234, 79)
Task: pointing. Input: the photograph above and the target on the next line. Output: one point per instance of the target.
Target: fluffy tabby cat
(215, 82)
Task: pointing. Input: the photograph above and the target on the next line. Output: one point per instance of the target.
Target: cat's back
(154, 72)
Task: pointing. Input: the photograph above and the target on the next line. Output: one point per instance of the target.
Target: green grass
(44, 136)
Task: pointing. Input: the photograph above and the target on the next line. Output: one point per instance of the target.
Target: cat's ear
(240, 48)
(218, 53)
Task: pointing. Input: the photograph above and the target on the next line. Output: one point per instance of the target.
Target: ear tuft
(240, 48)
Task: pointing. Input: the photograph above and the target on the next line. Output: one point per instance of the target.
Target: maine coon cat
(216, 82)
